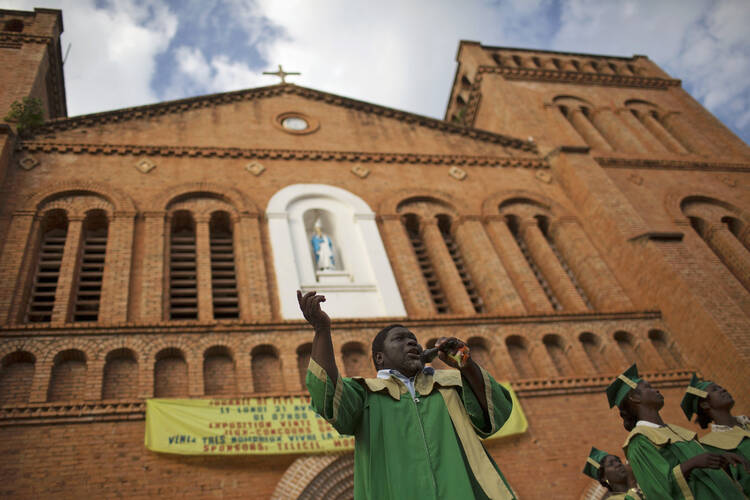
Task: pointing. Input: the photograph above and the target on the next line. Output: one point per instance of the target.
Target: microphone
(460, 355)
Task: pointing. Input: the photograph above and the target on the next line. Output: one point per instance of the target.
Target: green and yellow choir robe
(723, 439)
(655, 454)
(631, 494)
(426, 447)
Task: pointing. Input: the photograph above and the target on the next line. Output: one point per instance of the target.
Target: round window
(294, 123)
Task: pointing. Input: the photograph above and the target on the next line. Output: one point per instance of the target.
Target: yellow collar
(423, 384)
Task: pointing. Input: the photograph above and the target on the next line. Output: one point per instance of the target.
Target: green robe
(427, 447)
(735, 440)
(631, 494)
(655, 454)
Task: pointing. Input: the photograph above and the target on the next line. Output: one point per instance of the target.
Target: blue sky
(399, 53)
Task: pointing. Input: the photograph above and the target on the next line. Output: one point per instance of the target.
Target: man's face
(614, 470)
(719, 398)
(401, 352)
(650, 396)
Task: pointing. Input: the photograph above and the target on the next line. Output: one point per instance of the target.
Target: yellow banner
(256, 426)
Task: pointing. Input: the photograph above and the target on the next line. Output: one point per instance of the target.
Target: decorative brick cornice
(279, 154)
(12, 37)
(181, 105)
(36, 330)
(647, 163)
(580, 77)
(530, 388)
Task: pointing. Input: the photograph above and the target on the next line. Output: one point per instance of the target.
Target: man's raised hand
(309, 303)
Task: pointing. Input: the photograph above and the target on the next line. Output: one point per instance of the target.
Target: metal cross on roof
(281, 73)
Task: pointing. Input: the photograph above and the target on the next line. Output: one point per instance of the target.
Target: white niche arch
(361, 284)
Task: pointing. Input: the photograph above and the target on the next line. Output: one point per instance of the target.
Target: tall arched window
(223, 273)
(519, 354)
(356, 361)
(626, 344)
(120, 380)
(266, 368)
(556, 352)
(16, 375)
(170, 374)
(68, 377)
(54, 231)
(411, 223)
(444, 223)
(183, 273)
(480, 352)
(667, 351)
(218, 372)
(90, 269)
(592, 347)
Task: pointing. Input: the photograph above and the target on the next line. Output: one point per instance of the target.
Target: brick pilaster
(113, 306)
(152, 288)
(546, 260)
(639, 130)
(94, 380)
(732, 252)
(487, 272)
(688, 136)
(194, 362)
(244, 373)
(250, 250)
(67, 276)
(203, 268)
(662, 134)
(592, 273)
(541, 360)
(40, 382)
(518, 269)
(445, 269)
(411, 283)
(11, 263)
(579, 361)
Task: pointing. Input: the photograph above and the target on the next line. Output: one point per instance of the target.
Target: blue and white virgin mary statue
(323, 248)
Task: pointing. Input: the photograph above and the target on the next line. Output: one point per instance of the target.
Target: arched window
(90, 267)
(326, 239)
(592, 347)
(411, 223)
(519, 354)
(223, 274)
(356, 361)
(183, 273)
(304, 352)
(667, 351)
(556, 351)
(120, 380)
(218, 372)
(68, 378)
(16, 375)
(626, 344)
(54, 231)
(266, 368)
(480, 353)
(170, 374)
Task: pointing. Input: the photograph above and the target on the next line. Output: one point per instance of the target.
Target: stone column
(113, 306)
(520, 273)
(249, 248)
(11, 263)
(203, 269)
(487, 272)
(732, 252)
(67, 277)
(547, 261)
(586, 130)
(152, 283)
(590, 270)
(656, 128)
(615, 131)
(411, 283)
(644, 135)
(688, 136)
(445, 269)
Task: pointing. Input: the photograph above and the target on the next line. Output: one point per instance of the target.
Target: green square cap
(622, 385)
(593, 462)
(695, 391)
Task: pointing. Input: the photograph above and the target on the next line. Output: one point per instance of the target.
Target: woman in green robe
(729, 434)
(612, 474)
(416, 430)
(667, 460)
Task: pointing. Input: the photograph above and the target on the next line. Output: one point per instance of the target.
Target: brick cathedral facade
(571, 214)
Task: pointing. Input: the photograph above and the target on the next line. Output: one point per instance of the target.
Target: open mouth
(412, 354)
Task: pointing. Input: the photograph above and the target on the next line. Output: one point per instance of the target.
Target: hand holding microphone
(451, 350)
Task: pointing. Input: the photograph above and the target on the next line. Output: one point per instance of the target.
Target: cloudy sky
(399, 53)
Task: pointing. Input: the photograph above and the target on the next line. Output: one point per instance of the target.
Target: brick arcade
(570, 215)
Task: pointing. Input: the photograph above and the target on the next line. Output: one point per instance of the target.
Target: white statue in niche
(323, 248)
